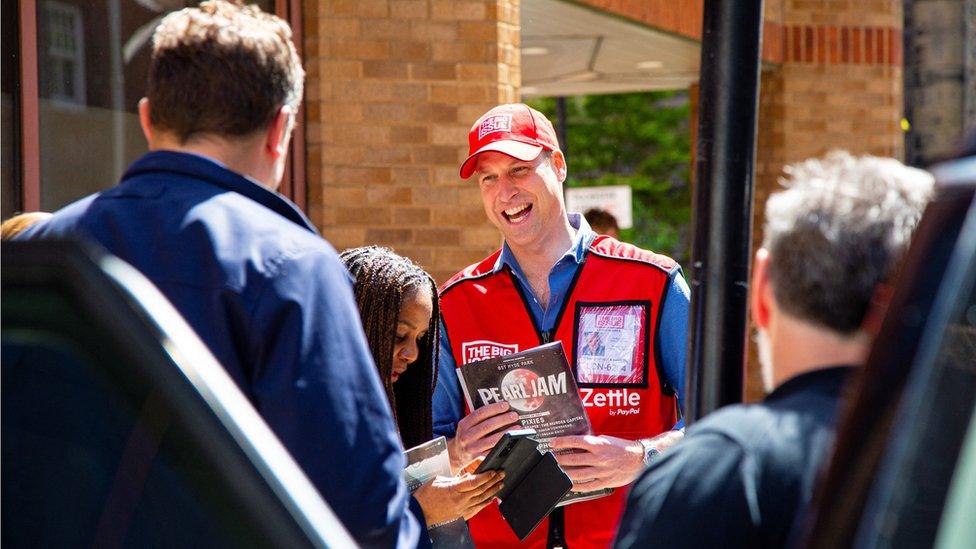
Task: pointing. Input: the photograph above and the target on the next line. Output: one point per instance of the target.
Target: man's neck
(799, 347)
(536, 259)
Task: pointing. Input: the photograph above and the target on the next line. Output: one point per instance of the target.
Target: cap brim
(515, 149)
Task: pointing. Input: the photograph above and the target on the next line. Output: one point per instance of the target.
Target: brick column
(393, 87)
(838, 86)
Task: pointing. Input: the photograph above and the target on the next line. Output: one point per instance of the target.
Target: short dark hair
(837, 231)
(221, 68)
(382, 279)
(601, 221)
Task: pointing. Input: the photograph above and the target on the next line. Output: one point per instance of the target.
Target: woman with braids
(399, 310)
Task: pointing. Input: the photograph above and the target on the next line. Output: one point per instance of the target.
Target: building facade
(393, 86)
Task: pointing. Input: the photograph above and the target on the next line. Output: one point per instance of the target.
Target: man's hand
(605, 461)
(598, 462)
(447, 498)
(479, 432)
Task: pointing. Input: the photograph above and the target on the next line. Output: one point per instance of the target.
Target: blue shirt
(448, 406)
(274, 304)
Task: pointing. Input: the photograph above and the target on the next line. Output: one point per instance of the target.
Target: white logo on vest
(481, 349)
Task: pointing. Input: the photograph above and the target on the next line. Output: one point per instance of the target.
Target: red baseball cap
(514, 129)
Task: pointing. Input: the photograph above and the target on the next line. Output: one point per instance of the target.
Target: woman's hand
(447, 498)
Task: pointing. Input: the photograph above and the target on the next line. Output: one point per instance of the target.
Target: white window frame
(72, 14)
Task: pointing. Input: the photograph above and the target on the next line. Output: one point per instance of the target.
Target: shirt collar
(576, 252)
(827, 377)
(201, 167)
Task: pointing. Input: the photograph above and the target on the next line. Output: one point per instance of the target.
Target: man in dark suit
(743, 474)
(199, 216)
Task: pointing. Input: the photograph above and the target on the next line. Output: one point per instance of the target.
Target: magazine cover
(425, 462)
(538, 384)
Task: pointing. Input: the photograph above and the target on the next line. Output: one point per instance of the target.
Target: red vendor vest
(607, 326)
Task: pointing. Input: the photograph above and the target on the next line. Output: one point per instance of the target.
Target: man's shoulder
(63, 223)
(238, 228)
(225, 231)
(763, 428)
(700, 480)
(737, 428)
(736, 424)
(708, 455)
(281, 250)
(472, 272)
(260, 224)
(611, 248)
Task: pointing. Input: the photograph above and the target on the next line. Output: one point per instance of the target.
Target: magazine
(538, 384)
(424, 463)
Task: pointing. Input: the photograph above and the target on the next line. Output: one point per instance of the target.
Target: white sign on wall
(615, 199)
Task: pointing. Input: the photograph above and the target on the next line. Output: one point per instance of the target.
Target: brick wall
(393, 86)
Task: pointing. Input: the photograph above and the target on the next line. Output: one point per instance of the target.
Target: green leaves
(641, 140)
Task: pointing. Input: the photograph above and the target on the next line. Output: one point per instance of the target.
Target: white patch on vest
(610, 344)
(473, 351)
(621, 402)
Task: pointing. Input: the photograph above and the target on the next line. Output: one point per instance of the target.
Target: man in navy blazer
(200, 217)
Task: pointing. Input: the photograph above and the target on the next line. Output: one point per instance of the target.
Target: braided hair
(383, 279)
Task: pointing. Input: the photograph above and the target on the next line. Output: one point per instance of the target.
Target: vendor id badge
(612, 344)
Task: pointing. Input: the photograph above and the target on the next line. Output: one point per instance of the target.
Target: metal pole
(725, 163)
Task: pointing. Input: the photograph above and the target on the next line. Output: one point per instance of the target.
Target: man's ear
(145, 120)
(279, 131)
(559, 165)
(761, 293)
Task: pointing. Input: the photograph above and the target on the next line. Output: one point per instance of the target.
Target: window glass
(94, 455)
(92, 57)
(922, 475)
(957, 527)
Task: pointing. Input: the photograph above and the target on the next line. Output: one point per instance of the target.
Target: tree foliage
(641, 140)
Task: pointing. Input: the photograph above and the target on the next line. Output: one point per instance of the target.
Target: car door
(120, 429)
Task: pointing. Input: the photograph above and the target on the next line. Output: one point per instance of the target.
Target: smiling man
(554, 279)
